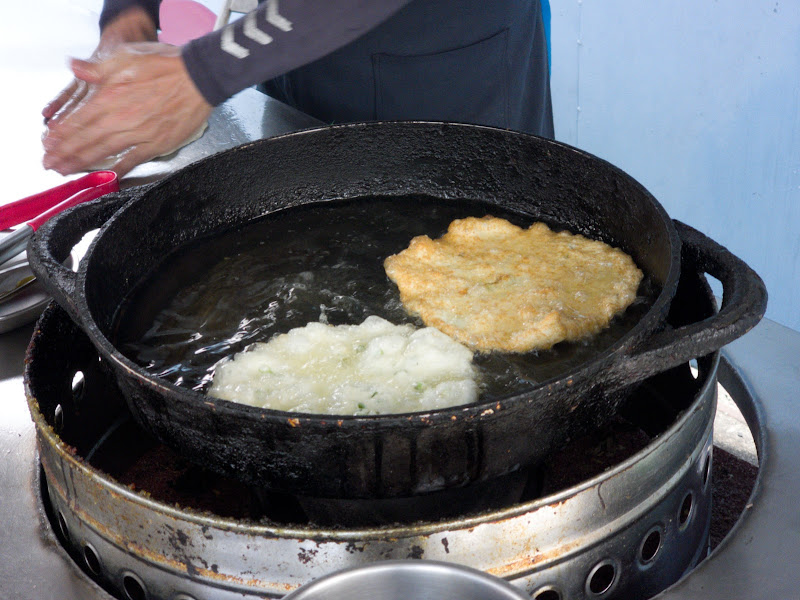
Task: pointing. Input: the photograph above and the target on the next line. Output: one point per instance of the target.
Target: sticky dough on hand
(109, 162)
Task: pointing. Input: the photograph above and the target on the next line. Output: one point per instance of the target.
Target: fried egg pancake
(494, 286)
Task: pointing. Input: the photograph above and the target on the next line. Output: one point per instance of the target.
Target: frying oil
(320, 262)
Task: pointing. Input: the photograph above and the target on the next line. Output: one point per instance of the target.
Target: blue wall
(699, 101)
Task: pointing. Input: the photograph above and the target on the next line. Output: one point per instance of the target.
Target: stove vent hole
(58, 419)
(78, 387)
(694, 368)
(133, 587)
(706, 469)
(62, 526)
(650, 546)
(547, 594)
(92, 560)
(685, 513)
(601, 579)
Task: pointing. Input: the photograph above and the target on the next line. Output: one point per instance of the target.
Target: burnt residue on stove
(170, 478)
(306, 555)
(732, 481)
(136, 460)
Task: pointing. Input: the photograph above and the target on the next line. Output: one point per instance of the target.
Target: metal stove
(628, 526)
(761, 372)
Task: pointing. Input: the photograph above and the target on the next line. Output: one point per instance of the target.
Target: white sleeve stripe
(229, 45)
(252, 31)
(273, 18)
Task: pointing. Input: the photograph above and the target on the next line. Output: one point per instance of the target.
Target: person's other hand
(139, 103)
(132, 25)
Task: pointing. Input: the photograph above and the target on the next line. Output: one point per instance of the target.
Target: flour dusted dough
(494, 286)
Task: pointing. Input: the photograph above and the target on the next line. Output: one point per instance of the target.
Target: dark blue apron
(471, 61)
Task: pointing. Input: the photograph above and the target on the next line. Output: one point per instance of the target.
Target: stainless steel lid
(404, 579)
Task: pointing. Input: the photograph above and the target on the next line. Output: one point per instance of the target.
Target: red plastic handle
(38, 208)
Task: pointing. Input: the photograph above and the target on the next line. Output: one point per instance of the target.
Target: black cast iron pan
(397, 455)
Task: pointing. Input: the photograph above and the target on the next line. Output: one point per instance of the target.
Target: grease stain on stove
(192, 570)
(180, 536)
(205, 531)
(526, 564)
(446, 545)
(181, 543)
(306, 555)
(600, 496)
(352, 547)
(53, 482)
(161, 560)
(416, 552)
(253, 582)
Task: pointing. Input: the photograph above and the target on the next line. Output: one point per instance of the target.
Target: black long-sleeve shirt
(270, 41)
(346, 60)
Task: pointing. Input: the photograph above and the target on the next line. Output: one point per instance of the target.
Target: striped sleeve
(276, 38)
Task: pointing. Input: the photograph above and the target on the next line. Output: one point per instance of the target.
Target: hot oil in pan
(321, 262)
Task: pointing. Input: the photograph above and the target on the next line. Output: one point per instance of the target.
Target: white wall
(700, 101)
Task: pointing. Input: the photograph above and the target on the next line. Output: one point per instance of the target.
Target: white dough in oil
(369, 369)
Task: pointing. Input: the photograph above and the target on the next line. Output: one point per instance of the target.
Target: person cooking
(340, 61)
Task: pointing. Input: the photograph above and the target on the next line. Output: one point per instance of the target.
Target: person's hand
(132, 25)
(139, 103)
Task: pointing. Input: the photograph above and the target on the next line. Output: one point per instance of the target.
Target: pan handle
(744, 301)
(50, 246)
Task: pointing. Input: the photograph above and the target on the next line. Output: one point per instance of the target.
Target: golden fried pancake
(494, 286)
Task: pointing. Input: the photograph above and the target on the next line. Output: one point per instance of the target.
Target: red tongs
(40, 207)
